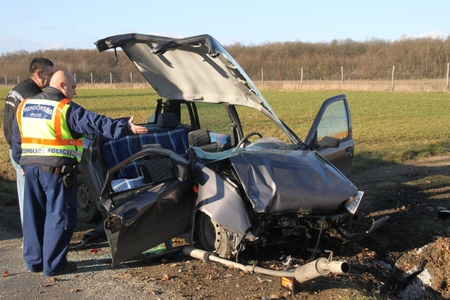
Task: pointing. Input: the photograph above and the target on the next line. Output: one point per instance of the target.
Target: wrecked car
(217, 165)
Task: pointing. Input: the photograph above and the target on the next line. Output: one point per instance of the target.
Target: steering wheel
(246, 137)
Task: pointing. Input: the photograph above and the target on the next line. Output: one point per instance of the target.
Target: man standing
(47, 143)
(41, 71)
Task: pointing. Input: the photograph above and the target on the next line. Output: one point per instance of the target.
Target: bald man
(47, 143)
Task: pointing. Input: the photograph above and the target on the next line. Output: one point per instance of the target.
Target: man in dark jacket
(41, 71)
(47, 143)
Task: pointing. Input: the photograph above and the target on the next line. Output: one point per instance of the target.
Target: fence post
(92, 79)
(448, 71)
(131, 78)
(110, 78)
(262, 76)
(18, 79)
(301, 76)
(393, 76)
(342, 75)
(6, 81)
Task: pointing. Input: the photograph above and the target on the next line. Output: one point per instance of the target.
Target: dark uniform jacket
(23, 90)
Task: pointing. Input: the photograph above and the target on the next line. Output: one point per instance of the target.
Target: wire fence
(291, 78)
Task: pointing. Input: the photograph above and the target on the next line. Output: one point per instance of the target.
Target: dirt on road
(408, 257)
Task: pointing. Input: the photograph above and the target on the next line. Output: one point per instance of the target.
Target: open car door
(331, 133)
(150, 209)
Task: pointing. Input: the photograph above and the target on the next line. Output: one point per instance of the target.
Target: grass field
(388, 127)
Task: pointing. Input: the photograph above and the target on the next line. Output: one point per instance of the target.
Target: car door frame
(340, 155)
(130, 236)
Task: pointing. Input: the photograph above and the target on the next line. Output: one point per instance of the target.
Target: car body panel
(220, 200)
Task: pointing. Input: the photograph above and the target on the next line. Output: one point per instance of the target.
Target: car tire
(212, 236)
(87, 208)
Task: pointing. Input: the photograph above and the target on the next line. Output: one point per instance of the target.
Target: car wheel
(87, 208)
(212, 236)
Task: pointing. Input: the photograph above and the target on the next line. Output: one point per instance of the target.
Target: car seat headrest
(167, 120)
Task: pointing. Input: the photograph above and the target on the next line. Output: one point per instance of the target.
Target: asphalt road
(94, 278)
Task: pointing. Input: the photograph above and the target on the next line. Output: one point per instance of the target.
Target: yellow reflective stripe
(59, 141)
(58, 114)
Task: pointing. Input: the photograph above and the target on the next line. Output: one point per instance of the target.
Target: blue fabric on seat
(223, 140)
(126, 184)
(116, 151)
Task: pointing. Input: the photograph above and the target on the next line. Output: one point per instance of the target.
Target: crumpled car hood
(297, 181)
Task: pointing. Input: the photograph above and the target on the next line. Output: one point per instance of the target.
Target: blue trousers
(50, 217)
(20, 181)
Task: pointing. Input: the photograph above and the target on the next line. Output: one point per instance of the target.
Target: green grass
(388, 127)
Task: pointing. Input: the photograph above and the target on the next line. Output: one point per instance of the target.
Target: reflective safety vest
(44, 131)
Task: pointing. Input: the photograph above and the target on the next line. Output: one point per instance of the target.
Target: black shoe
(34, 270)
(71, 267)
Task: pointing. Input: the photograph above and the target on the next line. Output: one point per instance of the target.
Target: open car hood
(194, 69)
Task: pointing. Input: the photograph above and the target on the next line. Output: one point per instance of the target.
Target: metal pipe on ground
(309, 271)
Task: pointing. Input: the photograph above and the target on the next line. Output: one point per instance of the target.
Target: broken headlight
(353, 202)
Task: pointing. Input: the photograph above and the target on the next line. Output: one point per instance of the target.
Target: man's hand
(136, 128)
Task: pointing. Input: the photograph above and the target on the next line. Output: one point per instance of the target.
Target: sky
(45, 25)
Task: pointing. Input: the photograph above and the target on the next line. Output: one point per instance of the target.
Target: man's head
(41, 71)
(65, 83)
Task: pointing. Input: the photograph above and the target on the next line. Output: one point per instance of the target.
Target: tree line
(419, 58)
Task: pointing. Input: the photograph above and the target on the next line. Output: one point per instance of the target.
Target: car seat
(200, 138)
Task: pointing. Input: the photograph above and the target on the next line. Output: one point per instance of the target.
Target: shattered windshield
(272, 145)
